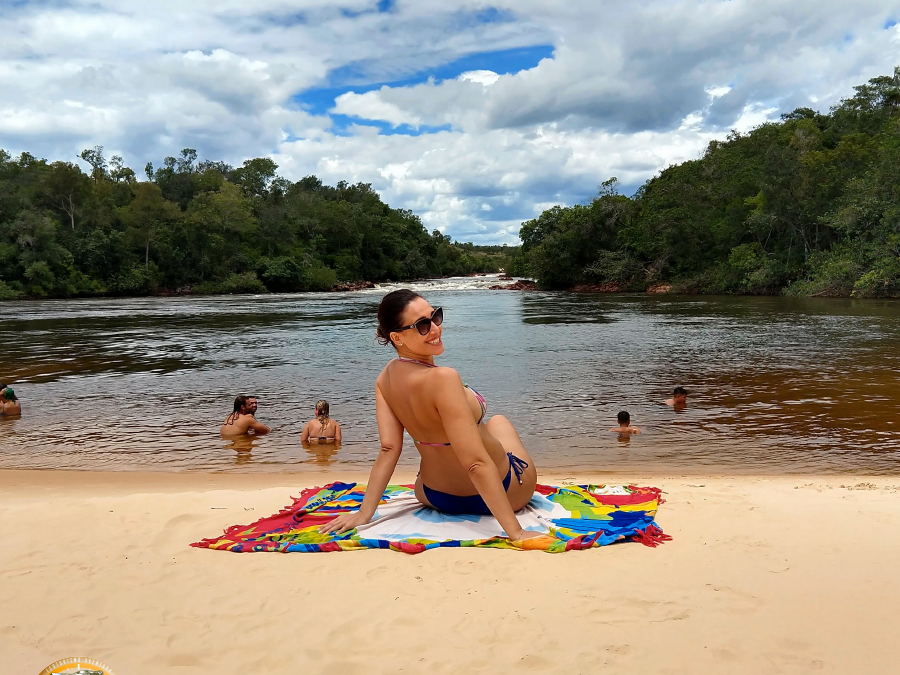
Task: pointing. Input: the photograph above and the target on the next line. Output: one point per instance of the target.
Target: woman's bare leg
(503, 430)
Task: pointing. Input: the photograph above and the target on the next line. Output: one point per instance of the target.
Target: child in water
(624, 424)
(679, 398)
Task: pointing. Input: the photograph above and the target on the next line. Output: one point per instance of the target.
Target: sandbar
(764, 574)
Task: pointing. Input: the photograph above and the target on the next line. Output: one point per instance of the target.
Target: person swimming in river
(9, 404)
(467, 466)
(625, 427)
(321, 428)
(679, 398)
(242, 419)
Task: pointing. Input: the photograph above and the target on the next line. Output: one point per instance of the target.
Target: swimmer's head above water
(624, 420)
(410, 324)
(679, 397)
(245, 405)
(7, 394)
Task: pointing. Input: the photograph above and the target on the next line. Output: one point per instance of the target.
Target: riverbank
(764, 574)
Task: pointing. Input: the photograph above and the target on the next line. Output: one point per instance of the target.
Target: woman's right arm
(304, 437)
(390, 431)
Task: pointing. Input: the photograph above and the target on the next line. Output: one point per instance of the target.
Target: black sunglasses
(423, 325)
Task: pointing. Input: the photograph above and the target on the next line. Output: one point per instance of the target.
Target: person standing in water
(9, 404)
(467, 466)
(625, 427)
(241, 420)
(679, 398)
(321, 429)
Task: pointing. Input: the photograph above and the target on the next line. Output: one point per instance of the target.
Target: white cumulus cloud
(472, 144)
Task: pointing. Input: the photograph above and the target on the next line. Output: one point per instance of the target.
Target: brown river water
(778, 385)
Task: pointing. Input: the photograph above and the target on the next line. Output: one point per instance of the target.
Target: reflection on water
(777, 384)
(322, 452)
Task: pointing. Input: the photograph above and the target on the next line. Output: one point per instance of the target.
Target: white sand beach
(764, 575)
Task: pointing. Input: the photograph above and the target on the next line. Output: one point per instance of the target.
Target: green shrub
(832, 273)
(247, 282)
(135, 280)
(619, 267)
(9, 293)
(282, 274)
(320, 278)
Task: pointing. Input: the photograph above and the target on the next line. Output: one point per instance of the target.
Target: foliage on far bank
(808, 206)
(204, 227)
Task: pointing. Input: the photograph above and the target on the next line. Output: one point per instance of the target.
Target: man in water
(624, 424)
(679, 398)
(241, 420)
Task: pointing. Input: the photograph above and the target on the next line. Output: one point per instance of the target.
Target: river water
(777, 385)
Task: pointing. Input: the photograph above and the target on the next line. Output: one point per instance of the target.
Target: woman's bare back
(409, 391)
(315, 432)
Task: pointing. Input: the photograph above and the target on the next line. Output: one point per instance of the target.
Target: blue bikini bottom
(472, 504)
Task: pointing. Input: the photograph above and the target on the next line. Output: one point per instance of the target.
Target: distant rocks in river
(613, 287)
(521, 285)
(353, 286)
(608, 287)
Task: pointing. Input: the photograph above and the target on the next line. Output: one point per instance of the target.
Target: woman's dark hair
(390, 313)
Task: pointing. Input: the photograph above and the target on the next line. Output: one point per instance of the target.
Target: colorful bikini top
(478, 397)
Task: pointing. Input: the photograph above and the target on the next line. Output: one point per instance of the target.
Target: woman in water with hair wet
(9, 404)
(321, 429)
(468, 466)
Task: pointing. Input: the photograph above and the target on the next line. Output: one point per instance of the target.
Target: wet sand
(764, 575)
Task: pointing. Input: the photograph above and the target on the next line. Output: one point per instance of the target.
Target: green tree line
(809, 205)
(204, 227)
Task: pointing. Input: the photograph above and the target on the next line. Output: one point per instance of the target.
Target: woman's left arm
(337, 432)
(462, 432)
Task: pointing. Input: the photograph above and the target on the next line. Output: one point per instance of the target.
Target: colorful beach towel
(574, 517)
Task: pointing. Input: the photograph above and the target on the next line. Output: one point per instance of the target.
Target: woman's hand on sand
(344, 523)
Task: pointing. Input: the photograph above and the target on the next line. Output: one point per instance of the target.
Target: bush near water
(806, 206)
(204, 227)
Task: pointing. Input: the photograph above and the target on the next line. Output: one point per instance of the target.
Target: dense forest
(204, 227)
(807, 206)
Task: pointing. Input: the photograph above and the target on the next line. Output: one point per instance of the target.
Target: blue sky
(474, 115)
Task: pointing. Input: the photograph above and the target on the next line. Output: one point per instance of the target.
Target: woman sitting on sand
(467, 467)
(321, 429)
(9, 404)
